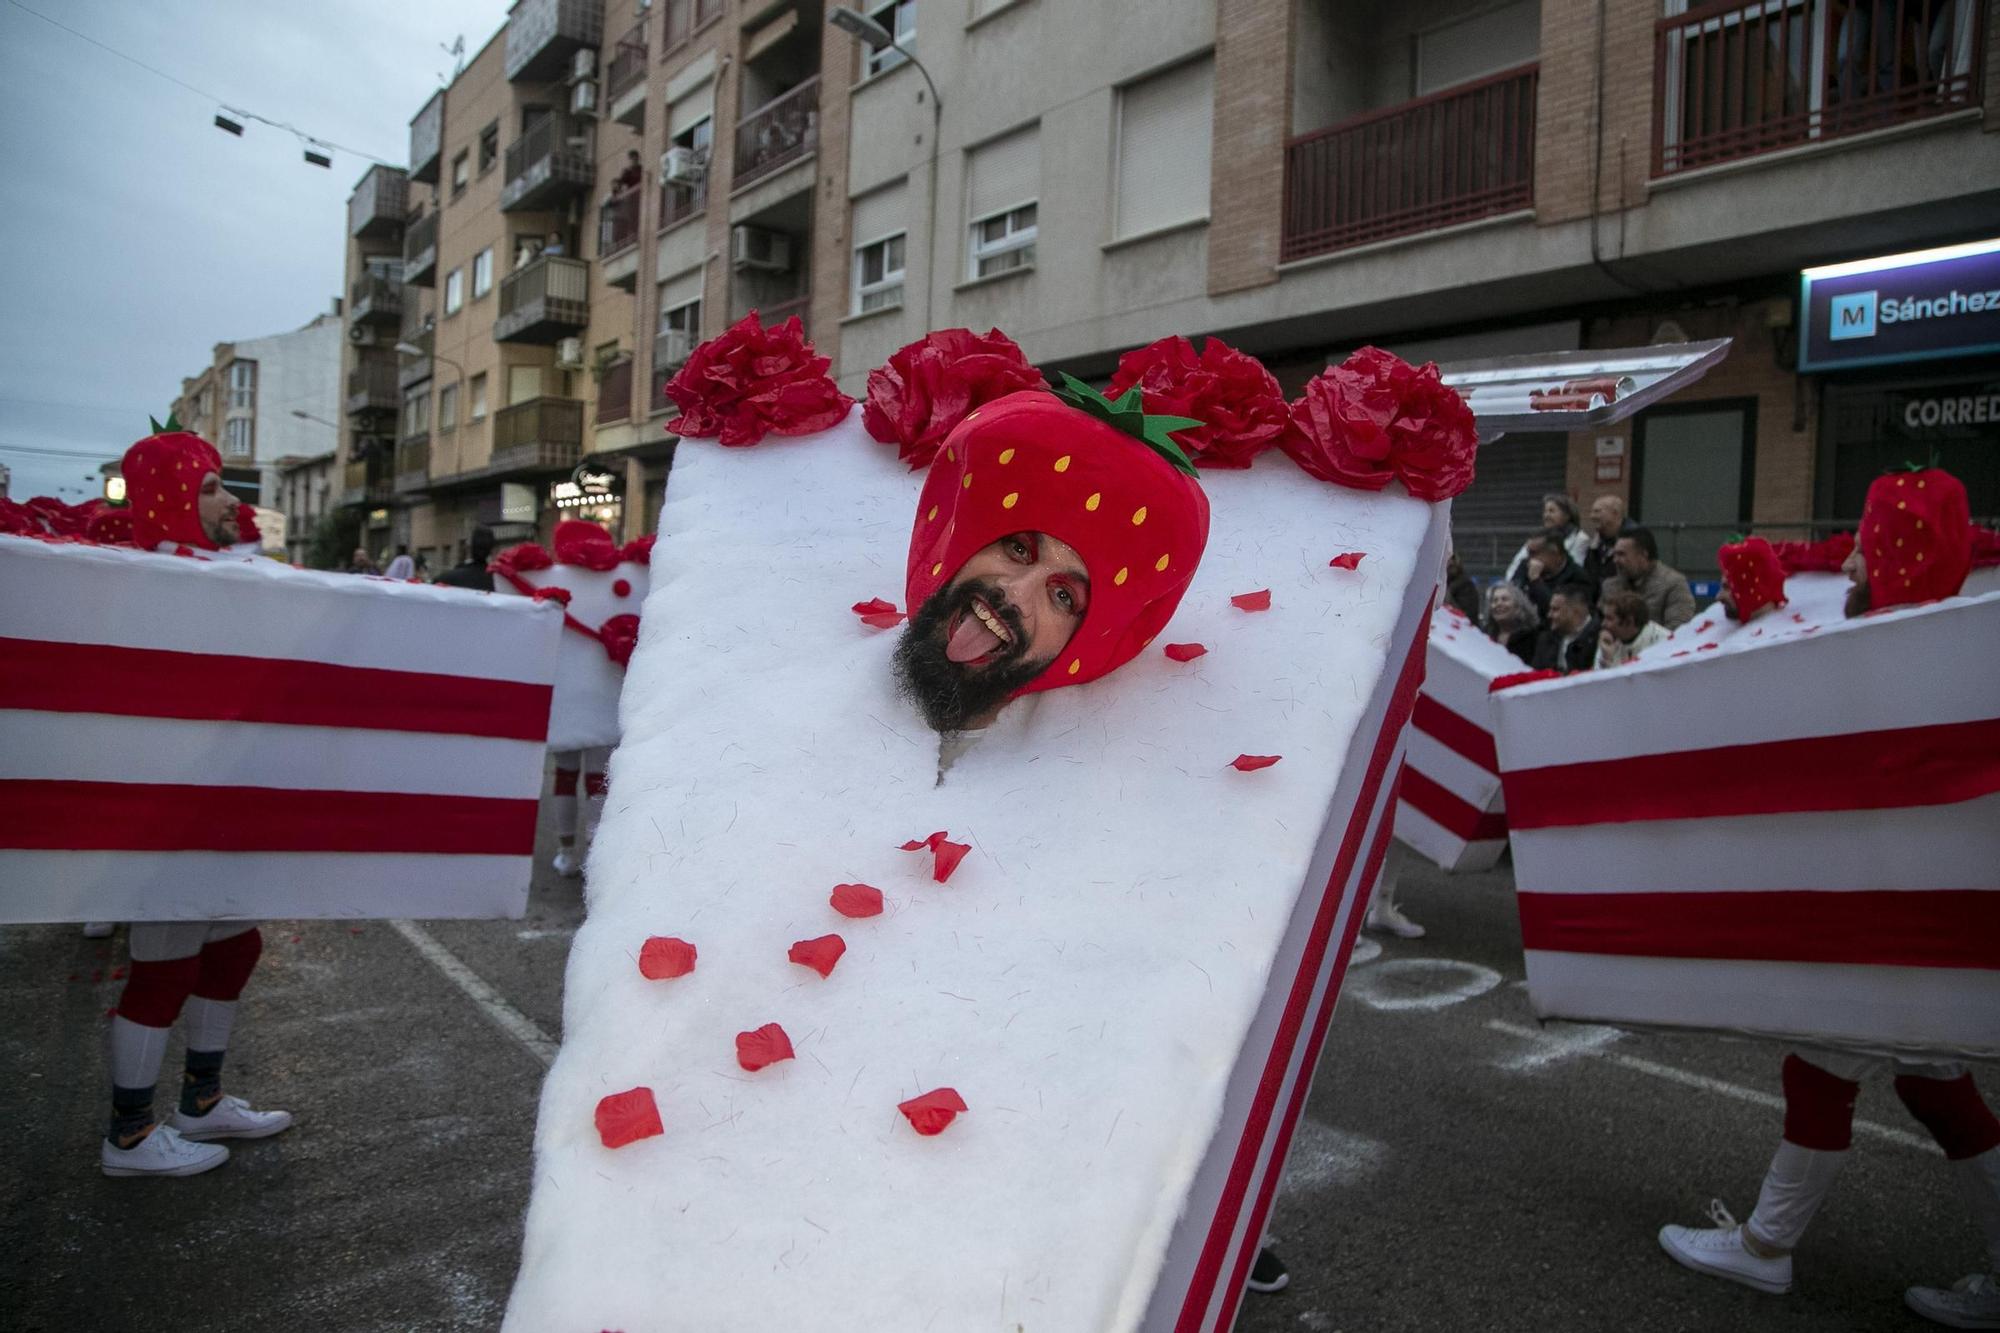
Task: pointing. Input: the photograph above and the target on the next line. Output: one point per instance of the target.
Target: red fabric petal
(947, 855)
(663, 957)
(818, 954)
(1351, 560)
(929, 1113)
(1252, 601)
(873, 606)
(1184, 652)
(856, 900)
(924, 844)
(626, 1117)
(766, 1046)
(882, 619)
(1250, 763)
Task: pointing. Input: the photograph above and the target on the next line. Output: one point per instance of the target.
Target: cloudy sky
(138, 235)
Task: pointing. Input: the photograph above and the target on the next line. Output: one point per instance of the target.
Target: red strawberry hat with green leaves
(163, 475)
(1755, 578)
(1916, 535)
(1100, 475)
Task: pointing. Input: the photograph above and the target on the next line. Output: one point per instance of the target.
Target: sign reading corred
(1909, 307)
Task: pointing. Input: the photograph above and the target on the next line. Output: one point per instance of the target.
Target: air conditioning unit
(569, 353)
(759, 248)
(583, 65)
(361, 335)
(682, 166)
(583, 99)
(671, 348)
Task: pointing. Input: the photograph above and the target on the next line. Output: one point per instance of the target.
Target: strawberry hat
(1099, 475)
(163, 475)
(1916, 535)
(1755, 578)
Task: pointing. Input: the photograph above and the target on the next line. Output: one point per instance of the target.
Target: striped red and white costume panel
(184, 739)
(1450, 808)
(1798, 838)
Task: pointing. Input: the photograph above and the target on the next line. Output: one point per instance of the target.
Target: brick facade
(1253, 100)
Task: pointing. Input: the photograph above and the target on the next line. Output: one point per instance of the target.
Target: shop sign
(589, 485)
(1908, 307)
(1946, 410)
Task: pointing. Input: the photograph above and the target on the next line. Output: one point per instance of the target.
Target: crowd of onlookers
(1579, 596)
(468, 573)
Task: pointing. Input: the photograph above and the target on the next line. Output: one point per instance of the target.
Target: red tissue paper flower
(1351, 560)
(1252, 601)
(1374, 418)
(930, 385)
(619, 635)
(878, 614)
(552, 593)
(1521, 678)
(819, 954)
(1185, 652)
(1250, 763)
(753, 381)
(521, 559)
(1238, 402)
(945, 854)
(931, 1112)
(856, 900)
(626, 1117)
(766, 1046)
(663, 957)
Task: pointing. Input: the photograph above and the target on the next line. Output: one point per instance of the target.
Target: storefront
(593, 491)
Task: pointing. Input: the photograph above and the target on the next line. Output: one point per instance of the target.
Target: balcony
(618, 240)
(427, 141)
(680, 202)
(371, 385)
(412, 370)
(625, 79)
(375, 298)
(547, 165)
(366, 481)
(547, 300)
(780, 132)
(1455, 156)
(539, 435)
(1732, 80)
(684, 18)
(377, 208)
(420, 251)
(413, 464)
(542, 35)
(774, 313)
(614, 392)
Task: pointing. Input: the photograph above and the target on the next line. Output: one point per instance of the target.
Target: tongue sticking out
(971, 640)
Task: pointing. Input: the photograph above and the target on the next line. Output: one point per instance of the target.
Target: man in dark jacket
(473, 573)
(1547, 568)
(1570, 641)
(1608, 522)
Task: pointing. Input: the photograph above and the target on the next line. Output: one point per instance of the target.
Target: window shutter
(677, 292)
(1003, 174)
(878, 214)
(1163, 148)
(683, 112)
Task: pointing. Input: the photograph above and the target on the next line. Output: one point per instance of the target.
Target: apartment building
(1449, 178)
(305, 494)
(262, 399)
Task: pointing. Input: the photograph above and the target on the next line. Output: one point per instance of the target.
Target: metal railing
(1731, 80)
(680, 202)
(372, 384)
(628, 63)
(552, 290)
(427, 140)
(783, 130)
(413, 464)
(543, 163)
(375, 297)
(614, 392)
(420, 249)
(378, 204)
(1452, 157)
(1487, 550)
(618, 224)
(365, 482)
(775, 313)
(541, 433)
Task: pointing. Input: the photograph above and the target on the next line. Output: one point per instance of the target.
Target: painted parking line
(1689, 1079)
(491, 1003)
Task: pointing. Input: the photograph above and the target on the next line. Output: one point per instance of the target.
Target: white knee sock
(1794, 1188)
(136, 1052)
(208, 1023)
(1978, 1182)
(565, 809)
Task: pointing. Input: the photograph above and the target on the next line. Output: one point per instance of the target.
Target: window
(477, 389)
(489, 147)
(454, 291)
(1163, 149)
(447, 408)
(482, 273)
(460, 173)
(242, 380)
(1003, 179)
(878, 230)
(236, 437)
(900, 18)
(679, 330)
(416, 414)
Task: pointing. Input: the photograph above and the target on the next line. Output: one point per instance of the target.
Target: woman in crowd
(1511, 620)
(1558, 515)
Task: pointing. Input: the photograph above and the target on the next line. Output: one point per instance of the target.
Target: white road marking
(1365, 951)
(1387, 986)
(561, 932)
(1555, 1047)
(504, 1015)
(1688, 1079)
(1322, 1157)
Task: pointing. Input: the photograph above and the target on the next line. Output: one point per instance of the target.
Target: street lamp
(307, 416)
(876, 37)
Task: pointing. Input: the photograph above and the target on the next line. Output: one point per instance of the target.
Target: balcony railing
(779, 312)
(780, 132)
(372, 387)
(680, 202)
(614, 393)
(1452, 157)
(375, 298)
(413, 463)
(420, 253)
(547, 300)
(684, 17)
(543, 34)
(1731, 80)
(376, 208)
(365, 481)
(546, 165)
(427, 140)
(416, 331)
(541, 434)
(628, 64)
(618, 224)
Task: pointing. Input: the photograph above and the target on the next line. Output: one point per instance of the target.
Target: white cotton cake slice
(1126, 979)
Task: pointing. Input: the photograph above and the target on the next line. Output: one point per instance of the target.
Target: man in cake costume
(1914, 546)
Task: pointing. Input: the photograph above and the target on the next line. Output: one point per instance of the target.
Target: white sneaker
(1719, 1252)
(231, 1118)
(98, 930)
(161, 1153)
(1388, 917)
(565, 864)
(1971, 1302)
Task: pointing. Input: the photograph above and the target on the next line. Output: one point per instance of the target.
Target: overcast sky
(137, 236)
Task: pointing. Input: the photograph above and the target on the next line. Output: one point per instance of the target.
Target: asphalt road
(1458, 1168)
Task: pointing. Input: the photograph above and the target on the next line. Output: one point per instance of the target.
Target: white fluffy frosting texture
(1084, 980)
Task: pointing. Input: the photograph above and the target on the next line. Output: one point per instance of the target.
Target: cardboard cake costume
(847, 1045)
(1449, 806)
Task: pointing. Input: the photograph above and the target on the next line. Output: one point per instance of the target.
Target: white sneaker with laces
(565, 864)
(1388, 917)
(161, 1153)
(1970, 1302)
(231, 1118)
(1718, 1251)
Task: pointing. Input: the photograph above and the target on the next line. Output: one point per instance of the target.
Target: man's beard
(1857, 601)
(950, 694)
